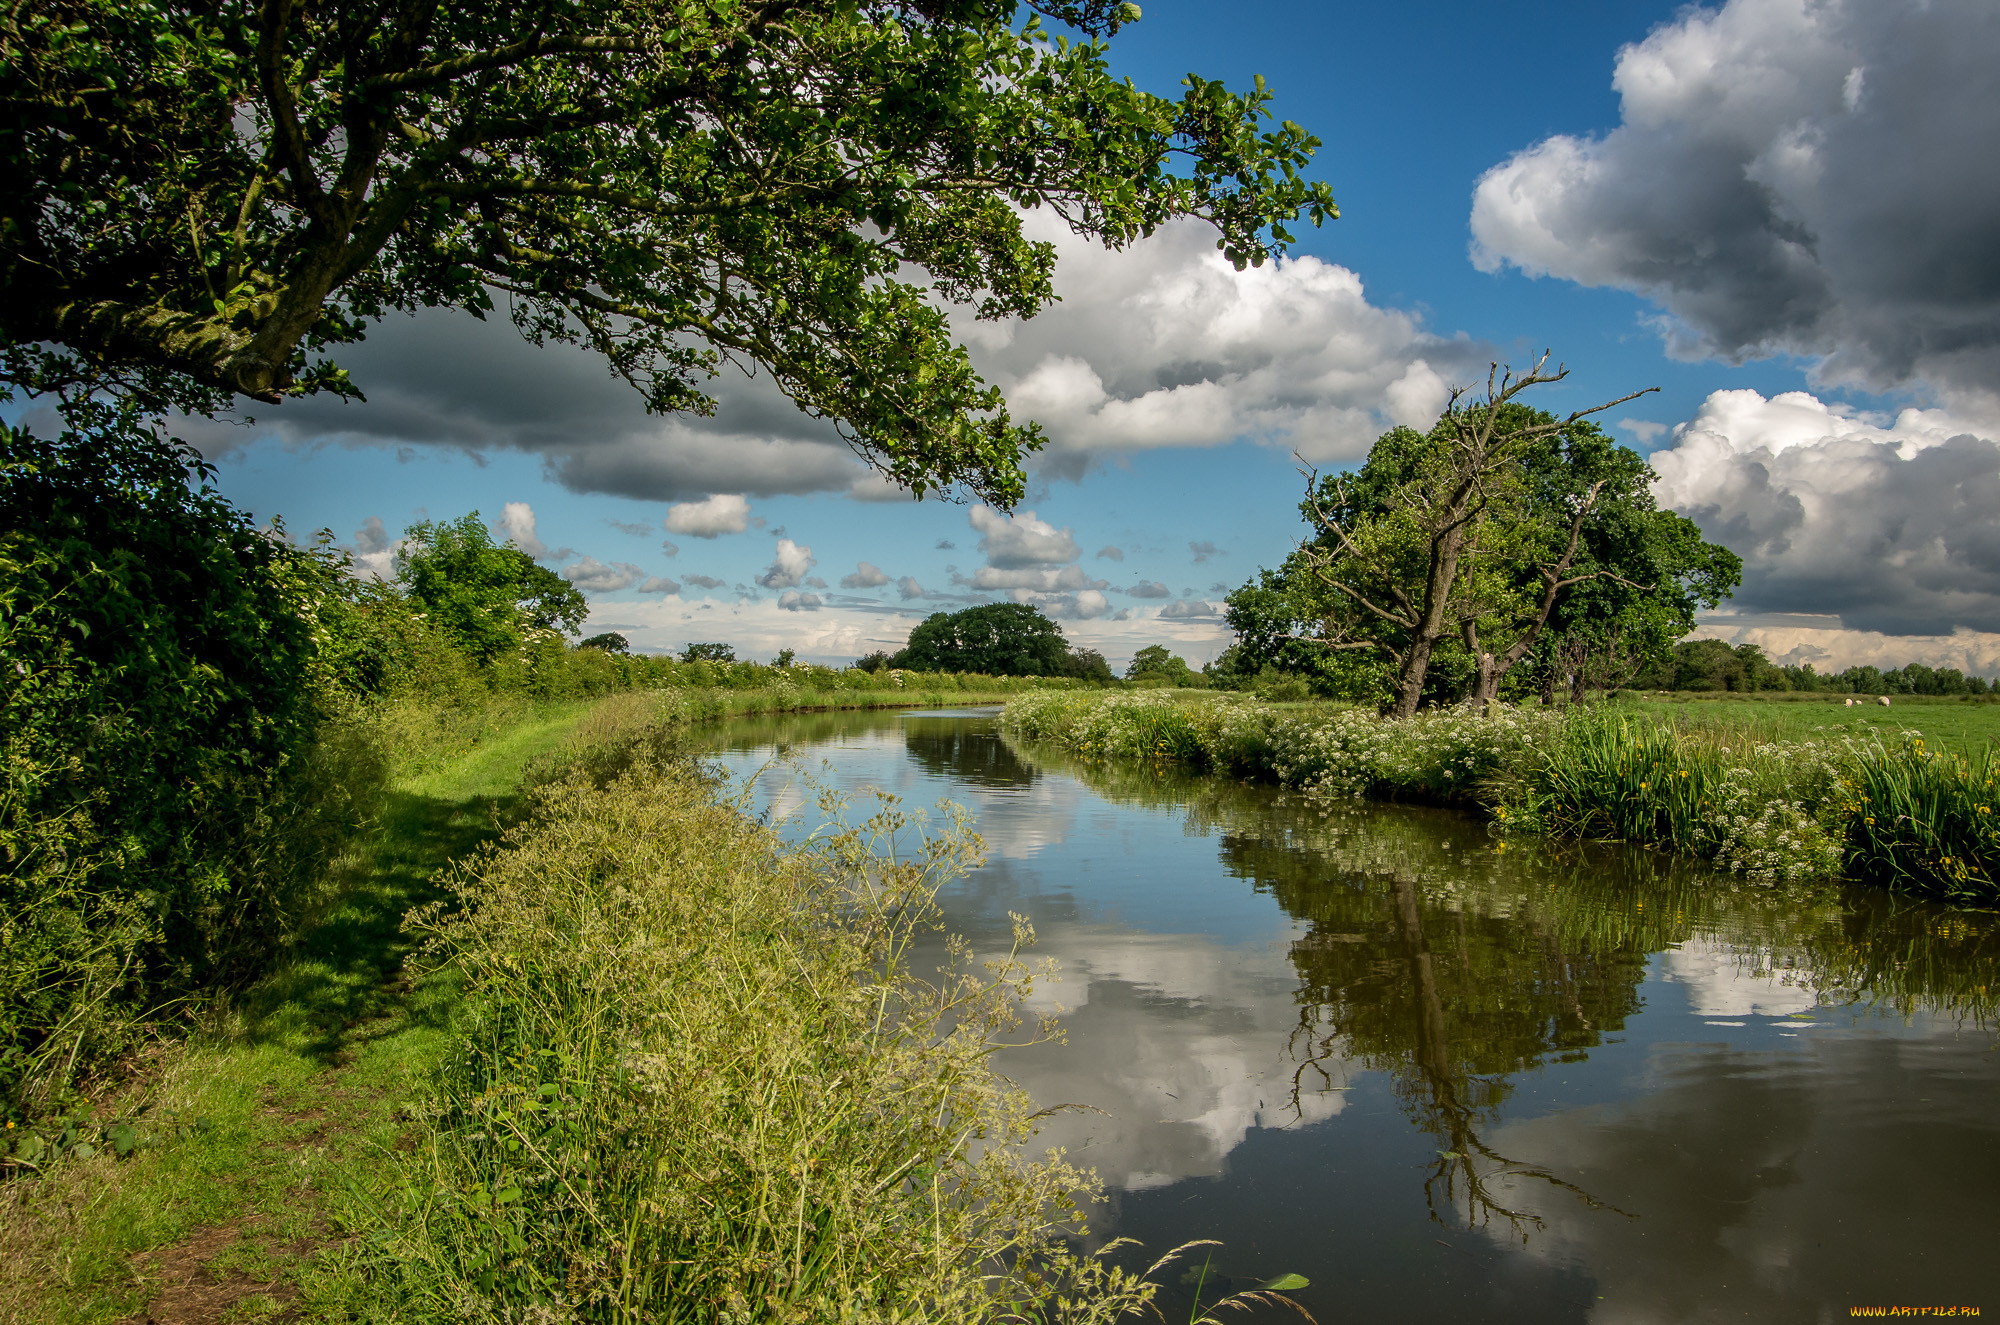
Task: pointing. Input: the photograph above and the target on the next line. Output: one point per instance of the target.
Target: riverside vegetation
(649, 1062)
(1896, 811)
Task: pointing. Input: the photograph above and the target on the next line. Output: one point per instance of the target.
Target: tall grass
(1897, 814)
(1924, 820)
(697, 1077)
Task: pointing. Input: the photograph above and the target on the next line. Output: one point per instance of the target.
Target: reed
(698, 1076)
(1899, 814)
(1923, 820)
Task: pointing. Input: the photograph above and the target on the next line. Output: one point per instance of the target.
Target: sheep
(1883, 700)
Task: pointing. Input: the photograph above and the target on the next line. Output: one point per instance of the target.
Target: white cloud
(711, 517)
(1798, 641)
(757, 629)
(1203, 550)
(593, 576)
(1033, 580)
(374, 552)
(908, 589)
(1020, 539)
(704, 581)
(791, 600)
(1190, 610)
(1886, 525)
(517, 522)
(866, 576)
(1150, 589)
(1088, 604)
(1166, 345)
(789, 567)
(1111, 553)
(660, 584)
(1805, 178)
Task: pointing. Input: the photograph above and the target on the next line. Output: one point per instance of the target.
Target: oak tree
(1475, 534)
(199, 200)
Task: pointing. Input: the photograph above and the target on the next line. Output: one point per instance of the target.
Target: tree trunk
(1486, 681)
(1410, 678)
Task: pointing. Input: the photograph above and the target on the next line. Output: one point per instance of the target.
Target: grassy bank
(1897, 812)
(256, 1169)
(1966, 725)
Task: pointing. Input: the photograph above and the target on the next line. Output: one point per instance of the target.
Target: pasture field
(1945, 722)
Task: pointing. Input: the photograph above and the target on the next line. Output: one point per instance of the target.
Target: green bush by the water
(167, 794)
(1896, 812)
(196, 717)
(699, 1076)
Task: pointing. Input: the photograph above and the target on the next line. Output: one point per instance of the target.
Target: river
(1446, 1078)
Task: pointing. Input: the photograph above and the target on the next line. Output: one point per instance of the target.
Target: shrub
(697, 1076)
(1906, 817)
(164, 805)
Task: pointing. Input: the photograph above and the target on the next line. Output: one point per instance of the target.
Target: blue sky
(1664, 196)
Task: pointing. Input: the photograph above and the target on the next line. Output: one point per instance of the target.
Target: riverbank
(1895, 812)
(269, 1159)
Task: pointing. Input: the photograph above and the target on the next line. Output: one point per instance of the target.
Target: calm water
(1447, 1080)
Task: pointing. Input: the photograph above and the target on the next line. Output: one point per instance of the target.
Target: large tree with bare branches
(198, 200)
(1478, 531)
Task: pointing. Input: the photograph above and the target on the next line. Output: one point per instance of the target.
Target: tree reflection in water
(1454, 962)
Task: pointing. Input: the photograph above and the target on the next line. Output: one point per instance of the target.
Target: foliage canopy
(999, 639)
(158, 709)
(482, 595)
(1501, 529)
(198, 200)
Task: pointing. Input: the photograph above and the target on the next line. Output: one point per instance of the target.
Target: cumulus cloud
(1011, 541)
(1034, 579)
(669, 547)
(593, 576)
(660, 584)
(909, 590)
(517, 523)
(1203, 550)
(791, 600)
(757, 629)
(446, 379)
(1084, 605)
(711, 517)
(789, 567)
(1886, 525)
(1150, 589)
(866, 576)
(1111, 553)
(704, 581)
(1195, 610)
(1812, 179)
(374, 551)
(1166, 345)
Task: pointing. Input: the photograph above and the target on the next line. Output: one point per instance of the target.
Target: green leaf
(1285, 1283)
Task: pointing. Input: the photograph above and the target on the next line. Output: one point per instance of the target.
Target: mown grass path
(264, 1128)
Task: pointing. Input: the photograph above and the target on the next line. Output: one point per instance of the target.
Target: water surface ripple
(1448, 1078)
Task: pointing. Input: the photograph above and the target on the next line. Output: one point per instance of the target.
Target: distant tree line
(1709, 664)
(997, 639)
